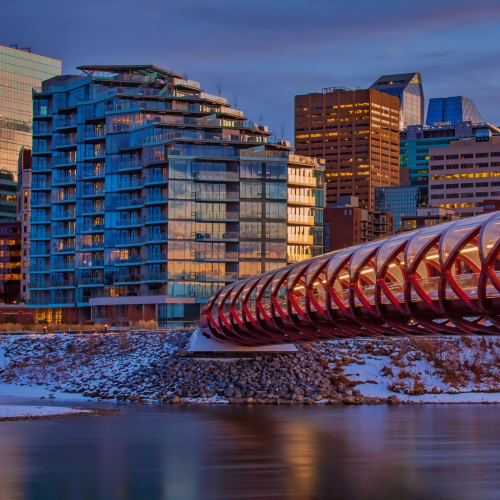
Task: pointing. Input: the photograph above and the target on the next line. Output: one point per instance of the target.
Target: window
(482, 184)
(481, 165)
(451, 186)
(452, 157)
(437, 196)
(467, 176)
(437, 177)
(466, 195)
(437, 167)
(452, 195)
(463, 156)
(467, 185)
(437, 158)
(452, 166)
(452, 176)
(437, 186)
(467, 165)
(482, 194)
(482, 155)
(495, 153)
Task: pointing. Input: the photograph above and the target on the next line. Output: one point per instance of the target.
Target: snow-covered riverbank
(155, 368)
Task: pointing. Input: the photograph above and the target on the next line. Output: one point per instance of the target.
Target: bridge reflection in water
(442, 279)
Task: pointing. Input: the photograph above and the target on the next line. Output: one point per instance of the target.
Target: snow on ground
(11, 411)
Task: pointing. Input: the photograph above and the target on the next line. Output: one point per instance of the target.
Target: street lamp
(105, 329)
(45, 330)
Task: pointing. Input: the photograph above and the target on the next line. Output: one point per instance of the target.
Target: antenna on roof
(16, 45)
(26, 48)
(358, 88)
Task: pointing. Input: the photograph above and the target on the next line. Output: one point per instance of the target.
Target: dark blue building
(452, 110)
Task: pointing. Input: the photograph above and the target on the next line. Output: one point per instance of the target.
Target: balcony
(130, 260)
(155, 238)
(39, 269)
(155, 179)
(216, 256)
(40, 202)
(90, 228)
(66, 122)
(295, 257)
(129, 165)
(301, 219)
(300, 238)
(64, 214)
(63, 142)
(225, 236)
(95, 134)
(62, 283)
(63, 179)
(37, 285)
(64, 161)
(129, 222)
(216, 176)
(42, 149)
(92, 263)
(225, 196)
(95, 191)
(43, 185)
(90, 281)
(155, 257)
(41, 128)
(213, 276)
(202, 152)
(155, 277)
(186, 83)
(302, 180)
(162, 198)
(302, 200)
(155, 218)
(63, 231)
(128, 185)
(64, 249)
(124, 204)
(39, 235)
(63, 197)
(225, 216)
(59, 266)
(61, 301)
(127, 278)
(97, 209)
(94, 245)
(95, 173)
(95, 153)
(42, 167)
(39, 252)
(122, 242)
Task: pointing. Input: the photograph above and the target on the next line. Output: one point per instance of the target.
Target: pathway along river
(256, 452)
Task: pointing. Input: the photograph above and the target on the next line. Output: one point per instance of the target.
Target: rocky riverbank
(156, 368)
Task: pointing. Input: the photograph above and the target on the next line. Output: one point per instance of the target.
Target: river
(256, 452)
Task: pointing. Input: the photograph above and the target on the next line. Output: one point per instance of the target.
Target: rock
(362, 362)
(134, 398)
(250, 400)
(229, 392)
(175, 400)
(309, 392)
(183, 353)
(393, 399)
(317, 397)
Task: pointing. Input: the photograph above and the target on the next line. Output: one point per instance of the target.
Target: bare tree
(235, 102)
(282, 131)
(261, 118)
(185, 76)
(218, 87)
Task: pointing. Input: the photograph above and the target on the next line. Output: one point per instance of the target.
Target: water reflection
(296, 453)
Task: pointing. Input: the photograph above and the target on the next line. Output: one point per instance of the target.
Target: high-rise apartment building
(417, 142)
(408, 88)
(465, 174)
(149, 194)
(20, 72)
(450, 110)
(357, 133)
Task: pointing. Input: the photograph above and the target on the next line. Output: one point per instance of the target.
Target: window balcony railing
(130, 184)
(229, 196)
(92, 263)
(128, 241)
(216, 256)
(40, 128)
(212, 276)
(155, 218)
(216, 176)
(62, 283)
(95, 191)
(129, 203)
(64, 160)
(87, 228)
(64, 214)
(33, 285)
(155, 238)
(40, 185)
(63, 249)
(217, 215)
(302, 180)
(90, 281)
(63, 231)
(300, 238)
(64, 179)
(302, 199)
(301, 219)
(155, 257)
(96, 172)
(95, 209)
(95, 153)
(161, 276)
(42, 148)
(125, 165)
(128, 222)
(131, 259)
(91, 134)
(39, 252)
(39, 269)
(155, 179)
(160, 198)
(226, 235)
(86, 245)
(58, 266)
(65, 141)
(40, 202)
(40, 235)
(64, 197)
(128, 278)
(66, 122)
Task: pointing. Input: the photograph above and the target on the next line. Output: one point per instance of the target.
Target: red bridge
(443, 279)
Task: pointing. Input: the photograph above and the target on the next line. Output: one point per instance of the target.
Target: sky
(264, 52)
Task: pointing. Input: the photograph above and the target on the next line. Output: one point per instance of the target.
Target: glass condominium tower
(450, 110)
(408, 88)
(20, 71)
(149, 195)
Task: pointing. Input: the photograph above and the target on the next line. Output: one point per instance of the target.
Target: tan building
(463, 175)
(357, 133)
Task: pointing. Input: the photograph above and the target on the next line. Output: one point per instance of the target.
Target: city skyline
(453, 48)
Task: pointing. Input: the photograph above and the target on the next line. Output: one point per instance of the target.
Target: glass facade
(20, 72)
(451, 110)
(149, 193)
(401, 200)
(10, 262)
(408, 88)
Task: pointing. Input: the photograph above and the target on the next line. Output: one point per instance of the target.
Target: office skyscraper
(149, 195)
(408, 88)
(20, 72)
(450, 110)
(357, 133)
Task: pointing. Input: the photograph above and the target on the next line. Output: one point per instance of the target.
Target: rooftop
(137, 69)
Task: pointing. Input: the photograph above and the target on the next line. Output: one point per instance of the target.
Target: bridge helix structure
(443, 279)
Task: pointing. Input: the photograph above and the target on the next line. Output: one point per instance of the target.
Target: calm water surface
(261, 452)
